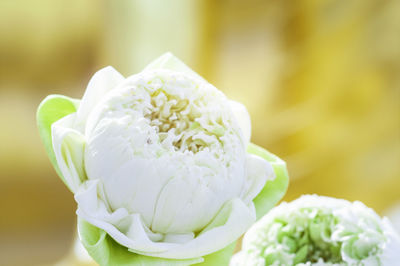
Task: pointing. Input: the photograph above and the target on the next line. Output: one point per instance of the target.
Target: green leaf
(105, 251)
(274, 190)
(51, 109)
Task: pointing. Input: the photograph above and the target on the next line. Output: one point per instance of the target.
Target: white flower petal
(233, 219)
(258, 172)
(391, 253)
(68, 146)
(102, 82)
(170, 62)
(131, 232)
(185, 205)
(138, 193)
(243, 118)
(179, 238)
(128, 229)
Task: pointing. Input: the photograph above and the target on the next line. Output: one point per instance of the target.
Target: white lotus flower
(317, 230)
(158, 161)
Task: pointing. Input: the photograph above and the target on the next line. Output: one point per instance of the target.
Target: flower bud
(159, 162)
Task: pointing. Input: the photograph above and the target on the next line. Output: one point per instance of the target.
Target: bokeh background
(321, 80)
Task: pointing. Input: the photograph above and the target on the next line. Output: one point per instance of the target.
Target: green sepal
(51, 109)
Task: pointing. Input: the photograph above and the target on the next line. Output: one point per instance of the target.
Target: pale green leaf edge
(103, 249)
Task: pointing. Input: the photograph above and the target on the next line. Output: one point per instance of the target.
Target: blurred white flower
(158, 161)
(317, 230)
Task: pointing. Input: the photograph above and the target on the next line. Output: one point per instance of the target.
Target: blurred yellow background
(321, 80)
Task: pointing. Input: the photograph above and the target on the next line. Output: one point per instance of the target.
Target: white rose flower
(158, 162)
(317, 230)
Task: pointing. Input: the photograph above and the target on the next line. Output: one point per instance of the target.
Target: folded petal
(105, 251)
(233, 219)
(259, 171)
(68, 146)
(273, 190)
(186, 205)
(52, 109)
(243, 118)
(128, 229)
(102, 82)
(138, 192)
(391, 255)
(170, 62)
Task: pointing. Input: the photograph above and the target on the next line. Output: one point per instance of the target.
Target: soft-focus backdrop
(321, 80)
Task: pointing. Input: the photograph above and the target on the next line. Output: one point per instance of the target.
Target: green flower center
(309, 239)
